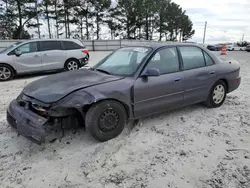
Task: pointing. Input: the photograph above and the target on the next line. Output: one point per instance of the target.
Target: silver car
(42, 55)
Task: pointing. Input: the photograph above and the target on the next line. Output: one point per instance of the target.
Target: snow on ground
(185, 148)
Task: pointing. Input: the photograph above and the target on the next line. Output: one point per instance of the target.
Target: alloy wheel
(72, 65)
(5, 73)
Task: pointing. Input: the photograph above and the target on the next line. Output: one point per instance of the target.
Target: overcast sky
(227, 20)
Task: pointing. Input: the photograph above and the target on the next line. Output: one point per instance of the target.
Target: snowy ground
(185, 148)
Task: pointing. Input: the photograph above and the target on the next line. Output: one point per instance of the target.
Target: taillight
(85, 51)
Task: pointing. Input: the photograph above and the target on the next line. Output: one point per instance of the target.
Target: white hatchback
(42, 55)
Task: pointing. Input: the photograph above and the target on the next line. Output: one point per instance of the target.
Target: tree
(47, 13)
(83, 17)
(100, 8)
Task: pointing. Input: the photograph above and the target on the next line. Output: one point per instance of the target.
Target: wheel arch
(225, 81)
(126, 107)
(71, 58)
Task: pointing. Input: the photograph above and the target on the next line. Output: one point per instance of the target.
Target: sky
(227, 20)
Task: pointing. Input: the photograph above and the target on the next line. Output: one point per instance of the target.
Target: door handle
(177, 79)
(45, 55)
(213, 72)
(36, 55)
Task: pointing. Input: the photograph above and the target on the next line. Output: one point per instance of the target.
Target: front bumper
(27, 123)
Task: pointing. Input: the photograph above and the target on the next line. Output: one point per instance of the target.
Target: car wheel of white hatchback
(72, 65)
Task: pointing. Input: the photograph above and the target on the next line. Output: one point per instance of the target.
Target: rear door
(53, 57)
(157, 94)
(199, 74)
(29, 60)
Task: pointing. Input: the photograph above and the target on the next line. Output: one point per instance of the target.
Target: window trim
(155, 52)
(51, 49)
(182, 58)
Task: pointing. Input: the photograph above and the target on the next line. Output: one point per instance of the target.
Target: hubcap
(72, 65)
(108, 121)
(5, 73)
(218, 94)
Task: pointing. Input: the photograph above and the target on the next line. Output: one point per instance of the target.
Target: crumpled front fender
(76, 99)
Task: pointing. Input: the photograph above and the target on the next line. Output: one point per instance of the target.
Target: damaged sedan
(128, 84)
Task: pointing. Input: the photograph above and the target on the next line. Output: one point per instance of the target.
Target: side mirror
(18, 53)
(150, 72)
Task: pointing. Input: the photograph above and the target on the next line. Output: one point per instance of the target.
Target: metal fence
(98, 45)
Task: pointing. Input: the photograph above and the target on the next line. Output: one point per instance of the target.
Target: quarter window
(165, 60)
(208, 59)
(50, 45)
(192, 57)
(68, 45)
(28, 48)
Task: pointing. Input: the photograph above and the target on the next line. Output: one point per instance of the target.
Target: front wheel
(217, 95)
(6, 73)
(106, 120)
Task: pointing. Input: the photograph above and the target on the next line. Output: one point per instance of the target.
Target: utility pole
(243, 38)
(205, 30)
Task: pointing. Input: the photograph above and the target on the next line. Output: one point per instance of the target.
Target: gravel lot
(185, 148)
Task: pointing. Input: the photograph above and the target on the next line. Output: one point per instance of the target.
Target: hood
(53, 88)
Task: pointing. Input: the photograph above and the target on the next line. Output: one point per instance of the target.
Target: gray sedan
(130, 83)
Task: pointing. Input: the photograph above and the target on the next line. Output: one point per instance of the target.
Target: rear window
(69, 45)
(50, 45)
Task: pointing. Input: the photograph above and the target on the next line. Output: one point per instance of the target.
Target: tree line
(161, 20)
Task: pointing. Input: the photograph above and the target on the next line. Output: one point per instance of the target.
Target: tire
(72, 64)
(6, 72)
(213, 101)
(100, 115)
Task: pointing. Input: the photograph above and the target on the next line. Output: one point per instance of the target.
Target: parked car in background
(211, 47)
(42, 55)
(235, 47)
(248, 48)
(128, 84)
(218, 47)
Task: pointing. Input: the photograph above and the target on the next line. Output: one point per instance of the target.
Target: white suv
(42, 55)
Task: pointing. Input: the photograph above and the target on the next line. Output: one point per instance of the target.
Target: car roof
(55, 39)
(159, 45)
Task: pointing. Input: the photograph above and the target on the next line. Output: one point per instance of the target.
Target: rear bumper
(233, 84)
(27, 123)
(84, 61)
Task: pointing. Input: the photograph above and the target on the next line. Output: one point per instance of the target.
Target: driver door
(157, 94)
(30, 58)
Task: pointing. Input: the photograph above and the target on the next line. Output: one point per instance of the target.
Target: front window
(123, 62)
(166, 61)
(28, 48)
(9, 48)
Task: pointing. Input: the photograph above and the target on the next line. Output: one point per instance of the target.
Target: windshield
(123, 62)
(10, 47)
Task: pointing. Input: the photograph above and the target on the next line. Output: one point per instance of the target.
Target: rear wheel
(6, 73)
(217, 95)
(72, 64)
(106, 120)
